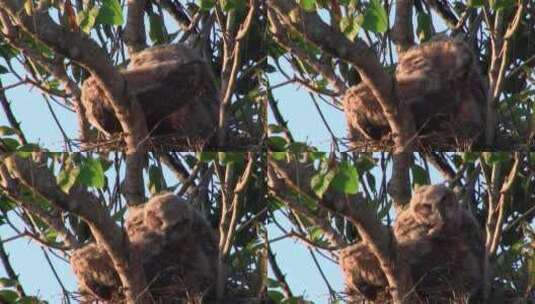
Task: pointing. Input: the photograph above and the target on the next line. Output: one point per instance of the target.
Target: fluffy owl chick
(362, 273)
(431, 208)
(441, 84)
(175, 88)
(178, 247)
(364, 114)
(442, 243)
(95, 273)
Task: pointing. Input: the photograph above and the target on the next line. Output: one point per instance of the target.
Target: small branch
(228, 77)
(280, 35)
(176, 10)
(444, 11)
(281, 278)
(402, 31)
(500, 47)
(134, 32)
(399, 185)
(11, 274)
(13, 123)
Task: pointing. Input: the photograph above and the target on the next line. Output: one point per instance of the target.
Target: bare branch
(500, 47)
(326, 70)
(230, 72)
(402, 31)
(134, 32)
(12, 275)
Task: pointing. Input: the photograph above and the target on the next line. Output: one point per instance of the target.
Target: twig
(281, 278)
(4, 257)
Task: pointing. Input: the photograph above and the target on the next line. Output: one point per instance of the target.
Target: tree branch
(402, 31)
(134, 32)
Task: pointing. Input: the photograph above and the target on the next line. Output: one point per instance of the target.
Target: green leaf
(67, 177)
(271, 283)
(501, 4)
(346, 179)
(26, 150)
(228, 5)
(206, 5)
(365, 163)
(317, 236)
(350, 27)
(424, 27)
(278, 155)
(297, 147)
(156, 179)
(277, 143)
(119, 215)
(8, 296)
(470, 157)
(231, 157)
(3, 70)
(375, 18)
(419, 175)
(11, 144)
(275, 129)
(30, 300)
(92, 174)
(476, 3)
(321, 182)
(275, 296)
(51, 235)
(493, 158)
(6, 131)
(87, 19)
(110, 13)
(207, 157)
(5, 282)
(156, 29)
(308, 5)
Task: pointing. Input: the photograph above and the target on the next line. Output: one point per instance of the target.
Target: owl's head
(434, 206)
(165, 211)
(179, 53)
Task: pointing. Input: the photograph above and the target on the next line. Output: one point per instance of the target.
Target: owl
(364, 114)
(179, 250)
(95, 272)
(442, 243)
(362, 273)
(175, 88)
(441, 84)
